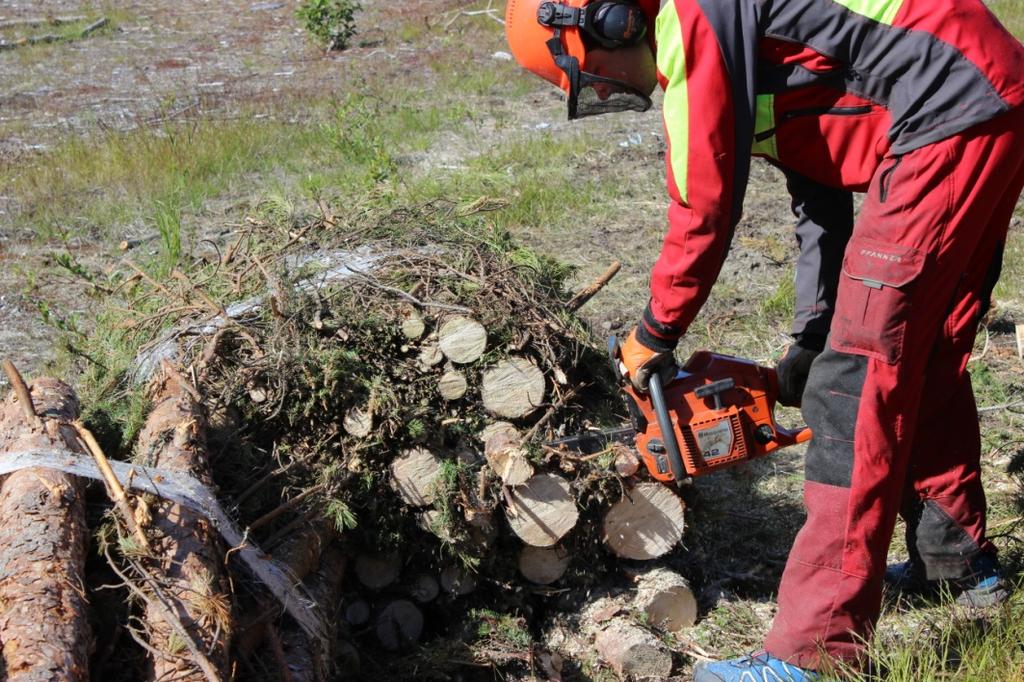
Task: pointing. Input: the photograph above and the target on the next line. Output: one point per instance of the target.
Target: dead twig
(22, 392)
(114, 488)
(588, 292)
(290, 504)
(202, 662)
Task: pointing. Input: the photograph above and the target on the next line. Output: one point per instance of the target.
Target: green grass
(1011, 13)
(952, 645)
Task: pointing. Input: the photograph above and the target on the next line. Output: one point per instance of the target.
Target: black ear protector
(610, 23)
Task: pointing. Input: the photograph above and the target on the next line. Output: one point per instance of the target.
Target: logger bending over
(917, 103)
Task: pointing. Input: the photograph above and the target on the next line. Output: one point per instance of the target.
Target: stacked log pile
(374, 414)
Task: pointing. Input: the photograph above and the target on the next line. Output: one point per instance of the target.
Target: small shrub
(331, 21)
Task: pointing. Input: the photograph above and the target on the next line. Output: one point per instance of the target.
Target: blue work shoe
(759, 667)
(985, 587)
(909, 577)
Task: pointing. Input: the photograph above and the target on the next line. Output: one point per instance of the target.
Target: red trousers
(889, 400)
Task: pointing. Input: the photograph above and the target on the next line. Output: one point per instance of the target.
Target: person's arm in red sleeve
(705, 65)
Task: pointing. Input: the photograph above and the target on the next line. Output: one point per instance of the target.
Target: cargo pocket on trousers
(873, 301)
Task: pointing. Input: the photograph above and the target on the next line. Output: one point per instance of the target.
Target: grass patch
(1011, 13)
(952, 646)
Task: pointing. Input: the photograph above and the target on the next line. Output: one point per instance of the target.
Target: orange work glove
(639, 361)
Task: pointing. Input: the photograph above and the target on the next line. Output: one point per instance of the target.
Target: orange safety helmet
(597, 51)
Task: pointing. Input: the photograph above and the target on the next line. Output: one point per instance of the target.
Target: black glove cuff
(655, 343)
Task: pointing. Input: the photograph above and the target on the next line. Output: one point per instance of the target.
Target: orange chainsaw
(718, 411)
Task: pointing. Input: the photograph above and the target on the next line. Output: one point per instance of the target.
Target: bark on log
(43, 538)
(377, 571)
(413, 475)
(513, 388)
(632, 651)
(646, 523)
(399, 625)
(626, 461)
(300, 554)
(462, 340)
(187, 550)
(666, 598)
(307, 660)
(452, 385)
(543, 565)
(507, 458)
(542, 511)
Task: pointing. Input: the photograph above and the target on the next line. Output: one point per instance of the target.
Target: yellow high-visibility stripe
(882, 11)
(676, 106)
(764, 121)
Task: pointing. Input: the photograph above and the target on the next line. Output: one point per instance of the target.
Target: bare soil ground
(222, 59)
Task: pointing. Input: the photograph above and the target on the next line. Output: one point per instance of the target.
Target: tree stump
(513, 388)
(646, 523)
(666, 598)
(43, 537)
(542, 510)
(462, 340)
(543, 565)
(413, 475)
(188, 550)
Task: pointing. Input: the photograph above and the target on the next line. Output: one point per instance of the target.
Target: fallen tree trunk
(43, 538)
(311, 661)
(187, 550)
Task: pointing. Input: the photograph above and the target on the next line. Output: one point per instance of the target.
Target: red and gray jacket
(822, 88)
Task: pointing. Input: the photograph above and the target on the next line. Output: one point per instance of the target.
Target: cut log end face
(413, 326)
(377, 571)
(452, 385)
(646, 523)
(543, 565)
(666, 599)
(513, 388)
(457, 581)
(632, 651)
(462, 340)
(507, 458)
(414, 474)
(399, 625)
(542, 511)
(358, 422)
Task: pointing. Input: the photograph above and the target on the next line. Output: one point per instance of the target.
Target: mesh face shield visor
(590, 94)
